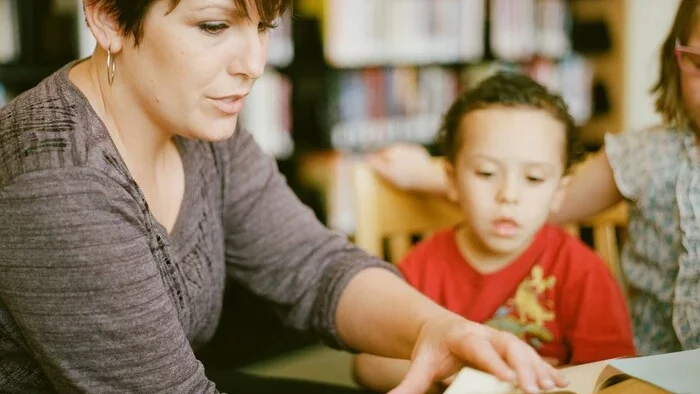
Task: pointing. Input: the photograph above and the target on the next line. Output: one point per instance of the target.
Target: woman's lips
(230, 105)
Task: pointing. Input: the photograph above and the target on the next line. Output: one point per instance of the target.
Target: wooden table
(633, 386)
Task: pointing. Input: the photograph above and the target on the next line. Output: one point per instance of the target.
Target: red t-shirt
(558, 295)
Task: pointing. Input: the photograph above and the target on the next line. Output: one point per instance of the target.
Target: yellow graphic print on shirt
(524, 315)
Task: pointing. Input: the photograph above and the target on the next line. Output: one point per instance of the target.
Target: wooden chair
(385, 214)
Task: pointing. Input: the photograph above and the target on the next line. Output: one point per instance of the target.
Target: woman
(127, 193)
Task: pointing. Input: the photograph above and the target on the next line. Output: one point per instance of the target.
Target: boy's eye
(535, 179)
(213, 28)
(484, 174)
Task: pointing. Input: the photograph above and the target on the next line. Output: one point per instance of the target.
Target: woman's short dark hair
(508, 89)
(130, 14)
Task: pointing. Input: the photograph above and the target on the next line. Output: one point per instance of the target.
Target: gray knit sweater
(95, 295)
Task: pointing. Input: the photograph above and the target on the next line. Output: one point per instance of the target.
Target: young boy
(509, 145)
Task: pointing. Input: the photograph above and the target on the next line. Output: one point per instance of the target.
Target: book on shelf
(672, 372)
(375, 107)
(522, 29)
(361, 33)
(9, 31)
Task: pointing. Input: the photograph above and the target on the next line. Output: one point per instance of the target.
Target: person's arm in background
(409, 167)
(592, 190)
(317, 281)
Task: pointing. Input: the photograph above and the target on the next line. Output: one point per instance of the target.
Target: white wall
(648, 22)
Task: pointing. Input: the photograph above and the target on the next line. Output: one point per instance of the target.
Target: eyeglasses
(688, 58)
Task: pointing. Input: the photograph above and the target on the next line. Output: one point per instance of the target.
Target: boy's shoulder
(569, 253)
(435, 247)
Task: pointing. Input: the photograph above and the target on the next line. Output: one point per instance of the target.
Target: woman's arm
(81, 293)
(382, 374)
(381, 314)
(592, 190)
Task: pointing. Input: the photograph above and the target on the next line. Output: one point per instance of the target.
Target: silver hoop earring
(111, 66)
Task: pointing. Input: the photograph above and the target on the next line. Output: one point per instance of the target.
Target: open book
(677, 372)
(584, 379)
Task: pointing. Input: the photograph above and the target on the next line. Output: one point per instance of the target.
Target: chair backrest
(608, 228)
(386, 214)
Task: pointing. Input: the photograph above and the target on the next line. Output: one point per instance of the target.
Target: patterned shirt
(658, 172)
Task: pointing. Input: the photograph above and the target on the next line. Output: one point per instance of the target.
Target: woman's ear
(560, 193)
(451, 177)
(104, 26)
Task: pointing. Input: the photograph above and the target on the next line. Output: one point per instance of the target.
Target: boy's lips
(505, 227)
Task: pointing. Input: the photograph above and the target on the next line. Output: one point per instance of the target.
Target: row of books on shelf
(376, 107)
(359, 33)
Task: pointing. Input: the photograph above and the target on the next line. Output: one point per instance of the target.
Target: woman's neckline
(102, 132)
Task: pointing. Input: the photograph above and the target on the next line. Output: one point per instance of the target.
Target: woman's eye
(263, 27)
(213, 28)
(535, 179)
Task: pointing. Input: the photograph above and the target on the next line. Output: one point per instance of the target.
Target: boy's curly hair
(508, 89)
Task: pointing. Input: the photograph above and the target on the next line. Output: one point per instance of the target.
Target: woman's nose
(251, 59)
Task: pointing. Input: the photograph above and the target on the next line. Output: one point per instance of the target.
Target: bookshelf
(607, 20)
(32, 42)
(391, 67)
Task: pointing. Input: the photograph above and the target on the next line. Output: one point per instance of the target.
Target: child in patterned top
(657, 171)
(509, 145)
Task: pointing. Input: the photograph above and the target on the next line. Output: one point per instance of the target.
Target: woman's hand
(446, 343)
(409, 167)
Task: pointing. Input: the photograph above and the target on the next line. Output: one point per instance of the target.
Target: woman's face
(194, 66)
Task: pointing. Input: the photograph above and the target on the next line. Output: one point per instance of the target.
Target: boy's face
(507, 176)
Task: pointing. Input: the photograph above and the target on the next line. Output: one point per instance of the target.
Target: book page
(675, 372)
(583, 379)
(472, 381)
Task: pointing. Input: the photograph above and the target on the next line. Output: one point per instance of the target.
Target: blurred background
(347, 77)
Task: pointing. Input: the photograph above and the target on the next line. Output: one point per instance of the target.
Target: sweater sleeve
(79, 281)
(276, 247)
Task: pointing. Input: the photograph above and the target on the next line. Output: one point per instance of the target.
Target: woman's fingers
(420, 376)
(509, 359)
(534, 374)
(477, 350)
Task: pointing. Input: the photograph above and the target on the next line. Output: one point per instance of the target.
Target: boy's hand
(448, 342)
